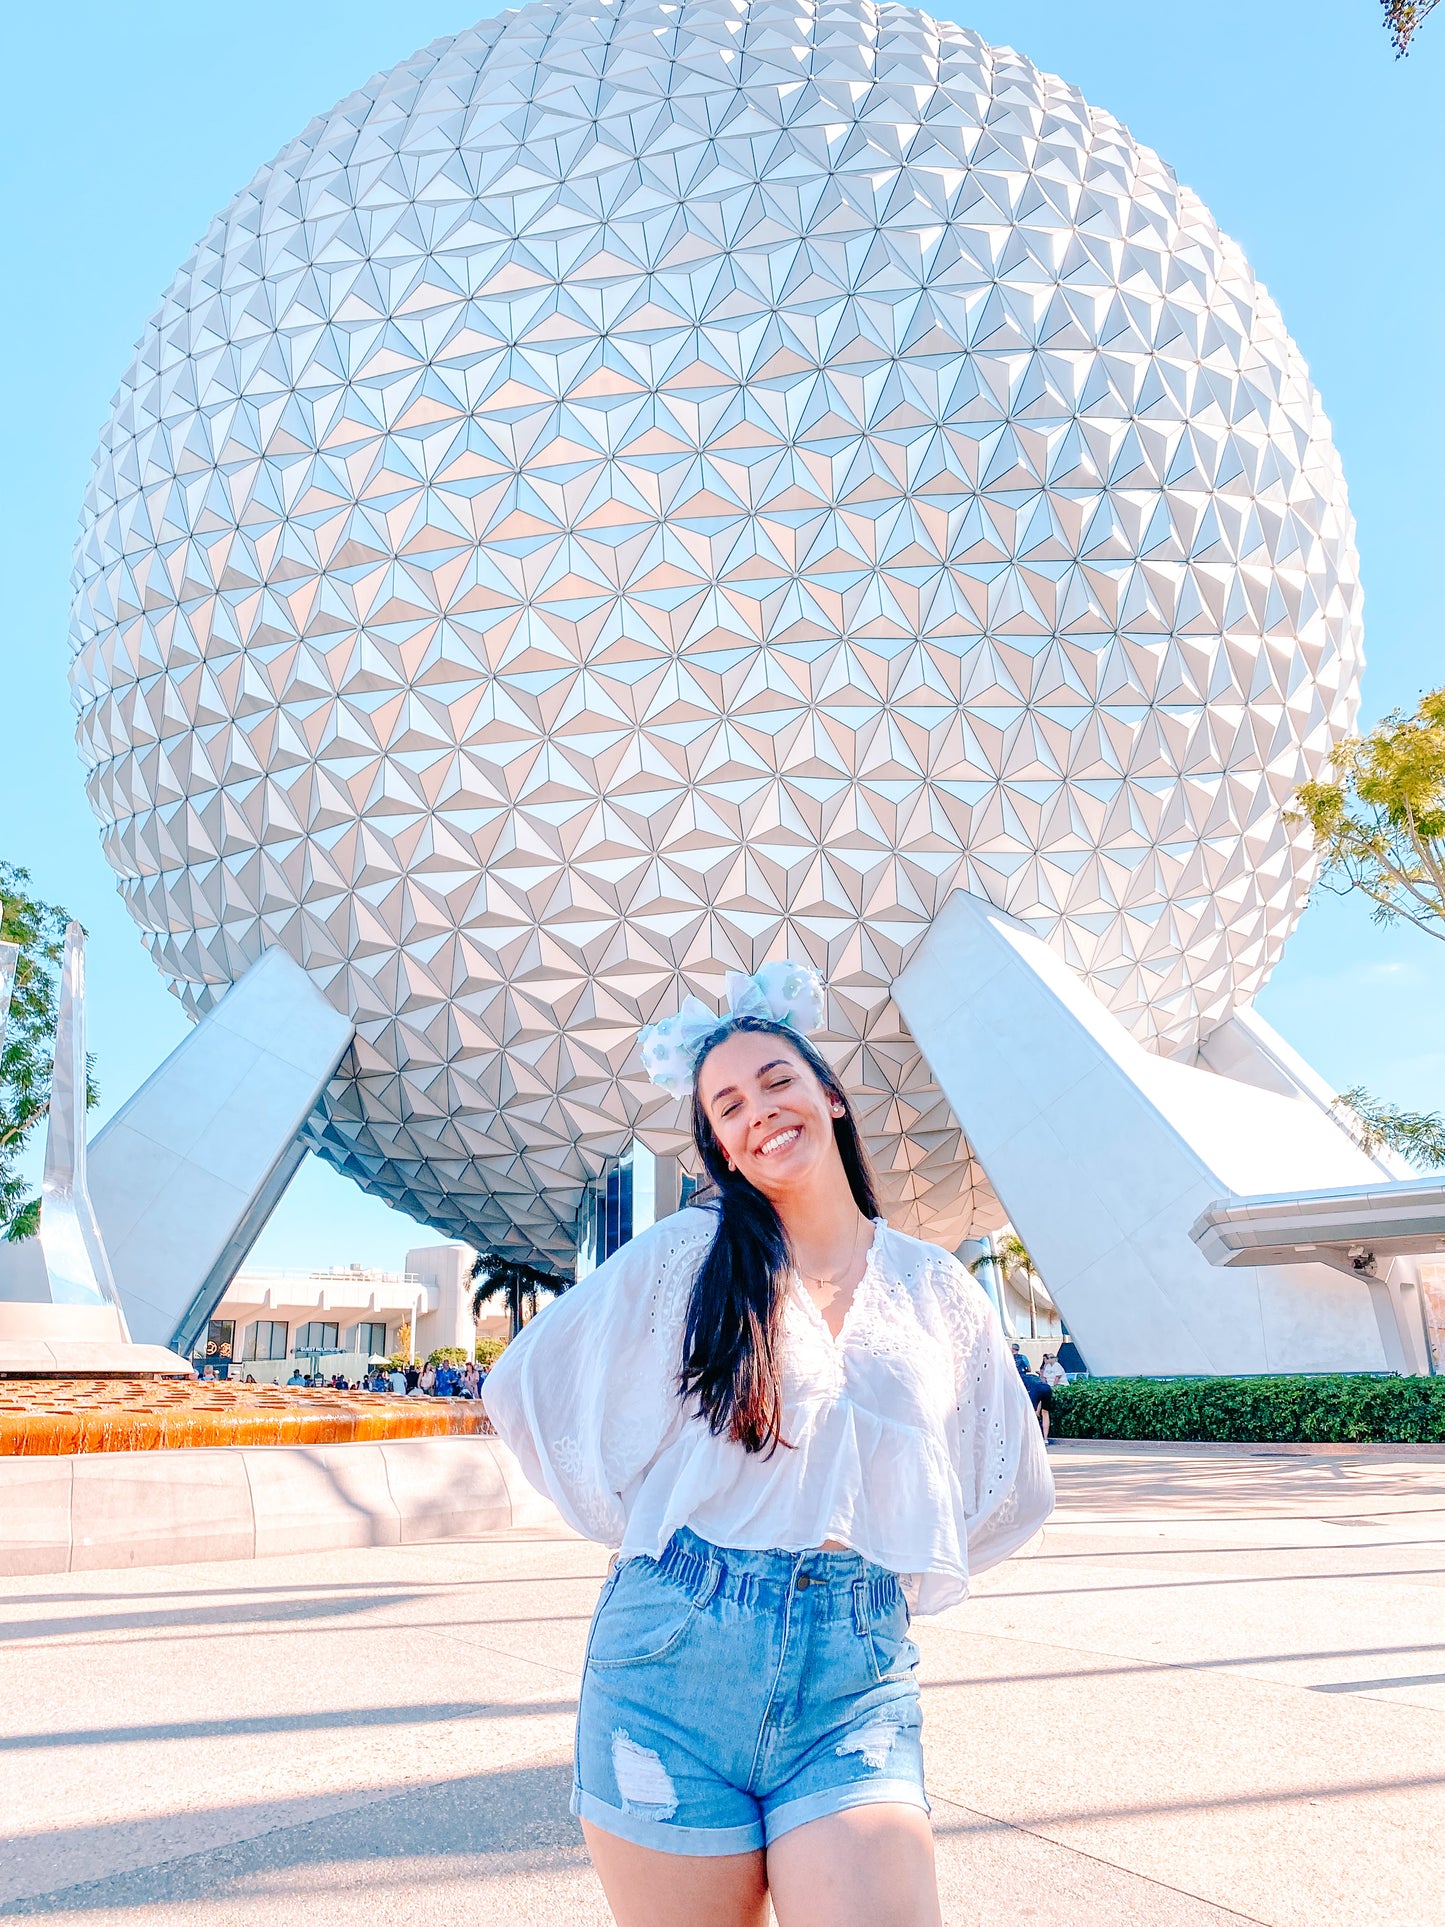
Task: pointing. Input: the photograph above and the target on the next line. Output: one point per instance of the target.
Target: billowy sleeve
(999, 1453)
(587, 1395)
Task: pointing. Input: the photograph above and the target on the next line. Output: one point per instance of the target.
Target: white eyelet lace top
(912, 1437)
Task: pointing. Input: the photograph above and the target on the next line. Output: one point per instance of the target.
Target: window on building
(317, 1337)
(605, 1221)
(266, 1339)
(371, 1341)
(220, 1340)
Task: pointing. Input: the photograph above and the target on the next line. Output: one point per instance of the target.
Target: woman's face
(769, 1111)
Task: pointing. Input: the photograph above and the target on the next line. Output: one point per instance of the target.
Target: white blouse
(912, 1437)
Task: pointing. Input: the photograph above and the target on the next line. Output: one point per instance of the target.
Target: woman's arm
(999, 1451)
(586, 1396)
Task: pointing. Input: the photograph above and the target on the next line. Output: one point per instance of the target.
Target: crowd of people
(446, 1379)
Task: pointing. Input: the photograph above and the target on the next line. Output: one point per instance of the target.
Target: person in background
(1072, 1359)
(470, 1379)
(296, 1378)
(396, 1381)
(428, 1380)
(1041, 1397)
(413, 1376)
(1052, 1372)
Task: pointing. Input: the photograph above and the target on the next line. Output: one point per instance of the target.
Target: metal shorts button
(803, 1582)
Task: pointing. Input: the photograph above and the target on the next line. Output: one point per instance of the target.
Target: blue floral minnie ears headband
(782, 993)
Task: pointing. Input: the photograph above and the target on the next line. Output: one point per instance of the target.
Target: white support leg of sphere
(1104, 1155)
(77, 1268)
(187, 1173)
(59, 1308)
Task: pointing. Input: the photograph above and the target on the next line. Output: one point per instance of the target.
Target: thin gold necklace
(811, 1278)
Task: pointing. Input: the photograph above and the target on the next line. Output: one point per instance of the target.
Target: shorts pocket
(892, 1655)
(642, 1619)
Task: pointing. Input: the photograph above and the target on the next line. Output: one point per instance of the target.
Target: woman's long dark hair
(730, 1352)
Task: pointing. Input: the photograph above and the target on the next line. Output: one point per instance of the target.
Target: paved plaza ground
(1213, 1693)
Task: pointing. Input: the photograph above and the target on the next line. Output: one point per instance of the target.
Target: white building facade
(269, 1324)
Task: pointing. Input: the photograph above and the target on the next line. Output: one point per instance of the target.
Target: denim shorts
(731, 1696)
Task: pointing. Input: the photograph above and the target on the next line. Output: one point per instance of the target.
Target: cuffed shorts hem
(840, 1799)
(709, 1842)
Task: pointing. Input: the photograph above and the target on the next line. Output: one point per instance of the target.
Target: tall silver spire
(70, 1240)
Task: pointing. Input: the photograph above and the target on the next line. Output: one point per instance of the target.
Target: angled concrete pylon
(186, 1173)
(76, 1264)
(1104, 1156)
(60, 1313)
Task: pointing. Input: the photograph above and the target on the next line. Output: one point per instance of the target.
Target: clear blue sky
(128, 126)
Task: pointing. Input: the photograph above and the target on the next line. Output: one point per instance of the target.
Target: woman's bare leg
(868, 1867)
(645, 1888)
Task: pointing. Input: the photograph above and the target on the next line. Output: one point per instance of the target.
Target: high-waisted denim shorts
(729, 1697)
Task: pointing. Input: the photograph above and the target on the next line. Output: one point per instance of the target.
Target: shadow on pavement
(512, 1821)
(215, 1729)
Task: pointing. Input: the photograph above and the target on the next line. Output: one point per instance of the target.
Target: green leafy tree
(1418, 1136)
(1379, 822)
(519, 1286)
(1403, 20)
(28, 1057)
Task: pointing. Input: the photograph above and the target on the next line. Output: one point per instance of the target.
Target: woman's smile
(779, 1140)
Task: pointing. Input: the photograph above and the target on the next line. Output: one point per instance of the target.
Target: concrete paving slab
(1204, 1698)
(37, 1517)
(506, 1842)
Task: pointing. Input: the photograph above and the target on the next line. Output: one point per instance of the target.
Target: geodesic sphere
(641, 489)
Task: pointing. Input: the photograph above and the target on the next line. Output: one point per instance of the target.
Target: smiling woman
(776, 1134)
(800, 1427)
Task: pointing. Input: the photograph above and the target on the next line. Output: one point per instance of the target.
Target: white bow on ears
(784, 993)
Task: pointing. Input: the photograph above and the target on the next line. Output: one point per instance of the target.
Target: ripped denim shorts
(729, 1697)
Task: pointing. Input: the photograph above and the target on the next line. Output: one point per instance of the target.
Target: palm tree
(518, 1285)
(1011, 1254)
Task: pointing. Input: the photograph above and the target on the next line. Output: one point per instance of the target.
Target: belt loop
(860, 1605)
(711, 1580)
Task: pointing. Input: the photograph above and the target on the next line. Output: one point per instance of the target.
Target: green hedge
(1334, 1408)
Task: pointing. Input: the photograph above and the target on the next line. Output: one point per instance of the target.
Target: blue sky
(128, 126)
